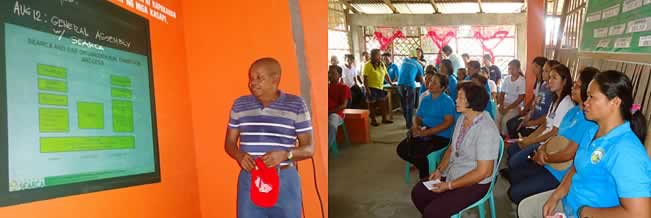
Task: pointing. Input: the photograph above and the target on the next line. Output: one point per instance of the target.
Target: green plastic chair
(433, 159)
(334, 145)
(489, 194)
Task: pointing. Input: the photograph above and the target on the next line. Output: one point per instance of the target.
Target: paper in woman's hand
(430, 184)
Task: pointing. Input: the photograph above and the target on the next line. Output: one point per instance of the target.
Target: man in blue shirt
(392, 69)
(410, 73)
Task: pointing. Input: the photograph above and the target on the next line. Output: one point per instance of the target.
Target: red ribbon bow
(384, 41)
(441, 41)
(497, 35)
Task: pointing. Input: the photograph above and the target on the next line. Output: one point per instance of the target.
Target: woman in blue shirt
(432, 126)
(611, 176)
(538, 176)
(446, 69)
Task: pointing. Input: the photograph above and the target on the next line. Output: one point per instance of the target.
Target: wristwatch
(289, 155)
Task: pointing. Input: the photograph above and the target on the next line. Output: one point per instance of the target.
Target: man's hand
(246, 161)
(272, 159)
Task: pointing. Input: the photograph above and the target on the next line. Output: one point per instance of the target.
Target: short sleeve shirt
(337, 94)
(393, 71)
(349, 75)
(452, 87)
(608, 168)
(275, 127)
(542, 101)
(481, 142)
(512, 89)
(409, 71)
(457, 62)
(556, 114)
(375, 75)
(577, 129)
(494, 73)
(432, 111)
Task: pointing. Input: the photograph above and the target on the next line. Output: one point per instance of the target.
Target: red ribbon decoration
(384, 41)
(497, 35)
(440, 42)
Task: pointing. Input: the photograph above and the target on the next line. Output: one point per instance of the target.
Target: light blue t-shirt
(452, 87)
(392, 69)
(611, 167)
(409, 70)
(576, 128)
(432, 111)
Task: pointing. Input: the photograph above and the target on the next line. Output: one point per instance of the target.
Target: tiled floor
(369, 180)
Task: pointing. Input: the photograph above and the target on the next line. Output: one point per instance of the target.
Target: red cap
(264, 185)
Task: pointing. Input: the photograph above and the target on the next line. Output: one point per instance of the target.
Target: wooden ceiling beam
(393, 8)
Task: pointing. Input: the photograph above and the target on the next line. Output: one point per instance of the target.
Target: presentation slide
(77, 99)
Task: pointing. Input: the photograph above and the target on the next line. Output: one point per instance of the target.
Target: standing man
(392, 69)
(457, 62)
(410, 72)
(374, 75)
(494, 72)
(351, 78)
(268, 123)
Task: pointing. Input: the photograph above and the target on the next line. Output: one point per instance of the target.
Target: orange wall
(535, 39)
(223, 39)
(176, 196)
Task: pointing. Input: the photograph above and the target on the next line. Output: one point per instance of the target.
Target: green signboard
(617, 26)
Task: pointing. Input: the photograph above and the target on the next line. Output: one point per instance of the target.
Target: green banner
(617, 26)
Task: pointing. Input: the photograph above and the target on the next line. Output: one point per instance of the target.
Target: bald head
(269, 65)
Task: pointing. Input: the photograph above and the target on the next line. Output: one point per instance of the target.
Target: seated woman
(560, 83)
(430, 70)
(547, 170)
(611, 175)
(432, 126)
(467, 166)
(446, 69)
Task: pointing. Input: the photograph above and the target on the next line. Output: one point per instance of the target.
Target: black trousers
(415, 152)
(513, 130)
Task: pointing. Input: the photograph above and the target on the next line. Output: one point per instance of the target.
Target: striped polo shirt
(275, 127)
